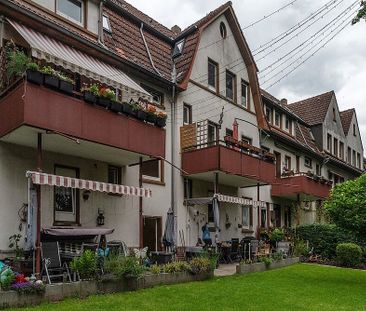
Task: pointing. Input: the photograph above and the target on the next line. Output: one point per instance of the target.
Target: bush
(301, 249)
(175, 267)
(323, 238)
(277, 256)
(266, 260)
(277, 235)
(200, 265)
(155, 269)
(349, 254)
(85, 265)
(124, 267)
(28, 288)
(7, 277)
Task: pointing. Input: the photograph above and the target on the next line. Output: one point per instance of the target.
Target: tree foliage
(361, 13)
(346, 206)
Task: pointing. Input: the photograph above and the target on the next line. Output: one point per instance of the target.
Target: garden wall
(105, 286)
(260, 266)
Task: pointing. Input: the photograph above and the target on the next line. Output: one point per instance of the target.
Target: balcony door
(153, 233)
(278, 163)
(212, 133)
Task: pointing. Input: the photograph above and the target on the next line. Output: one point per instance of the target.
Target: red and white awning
(69, 182)
(237, 200)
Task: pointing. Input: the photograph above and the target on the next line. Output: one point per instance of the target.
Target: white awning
(69, 182)
(225, 199)
(53, 51)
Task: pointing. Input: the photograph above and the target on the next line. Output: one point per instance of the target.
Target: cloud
(339, 66)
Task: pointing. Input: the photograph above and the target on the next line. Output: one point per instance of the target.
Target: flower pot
(151, 118)
(51, 81)
(161, 122)
(126, 108)
(104, 102)
(66, 87)
(141, 115)
(90, 98)
(116, 106)
(34, 76)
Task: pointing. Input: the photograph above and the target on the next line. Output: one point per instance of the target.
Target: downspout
(173, 125)
(148, 50)
(100, 24)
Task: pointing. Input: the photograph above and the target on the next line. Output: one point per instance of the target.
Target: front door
(153, 233)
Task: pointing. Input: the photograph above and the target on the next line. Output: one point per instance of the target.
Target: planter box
(161, 122)
(141, 115)
(90, 98)
(126, 108)
(34, 76)
(104, 102)
(116, 107)
(151, 118)
(66, 87)
(260, 266)
(51, 81)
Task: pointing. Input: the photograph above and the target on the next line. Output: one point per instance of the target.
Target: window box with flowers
(127, 108)
(151, 114)
(33, 74)
(161, 119)
(50, 76)
(66, 84)
(106, 96)
(91, 93)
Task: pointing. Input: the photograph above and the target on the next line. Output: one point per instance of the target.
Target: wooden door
(153, 233)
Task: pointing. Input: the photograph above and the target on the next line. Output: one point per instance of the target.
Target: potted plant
(50, 77)
(141, 114)
(33, 75)
(127, 108)
(16, 62)
(151, 114)
(135, 108)
(91, 93)
(106, 95)
(161, 119)
(66, 84)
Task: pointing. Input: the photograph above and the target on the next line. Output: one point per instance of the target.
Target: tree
(346, 206)
(361, 13)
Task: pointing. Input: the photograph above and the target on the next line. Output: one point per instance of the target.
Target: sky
(340, 65)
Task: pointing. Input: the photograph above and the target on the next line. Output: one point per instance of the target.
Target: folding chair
(52, 262)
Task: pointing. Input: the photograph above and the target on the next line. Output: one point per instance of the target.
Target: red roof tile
(313, 110)
(346, 118)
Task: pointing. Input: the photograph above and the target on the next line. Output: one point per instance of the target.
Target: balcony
(237, 163)
(301, 186)
(102, 134)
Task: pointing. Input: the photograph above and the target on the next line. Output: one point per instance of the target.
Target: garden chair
(52, 262)
(234, 250)
(254, 247)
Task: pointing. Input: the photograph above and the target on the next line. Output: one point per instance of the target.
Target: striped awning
(69, 182)
(237, 200)
(58, 53)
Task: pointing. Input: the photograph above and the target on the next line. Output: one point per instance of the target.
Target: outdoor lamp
(100, 218)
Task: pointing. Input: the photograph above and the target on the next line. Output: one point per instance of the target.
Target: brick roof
(346, 118)
(313, 110)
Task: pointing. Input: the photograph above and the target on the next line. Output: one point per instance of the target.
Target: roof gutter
(87, 43)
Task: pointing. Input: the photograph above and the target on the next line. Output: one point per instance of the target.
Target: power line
(331, 23)
(297, 26)
(268, 16)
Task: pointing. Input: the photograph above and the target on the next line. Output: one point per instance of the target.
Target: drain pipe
(100, 24)
(173, 125)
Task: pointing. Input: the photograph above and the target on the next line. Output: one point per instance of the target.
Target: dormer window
(277, 119)
(334, 115)
(70, 9)
(106, 23)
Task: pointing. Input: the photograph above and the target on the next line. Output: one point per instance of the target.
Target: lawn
(299, 287)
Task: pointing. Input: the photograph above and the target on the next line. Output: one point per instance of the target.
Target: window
(71, 9)
(334, 115)
(157, 97)
(213, 77)
(211, 132)
(358, 160)
(247, 140)
(353, 157)
(230, 86)
(268, 113)
(229, 132)
(245, 94)
(287, 124)
(317, 169)
(66, 200)
(153, 171)
(246, 216)
(335, 146)
(188, 188)
(277, 119)
(114, 175)
(287, 163)
(178, 48)
(354, 129)
(276, 219)
(263, 217)
(187, 114)
(329, 142)
(349, 155)
(106, 23)
(223, 31)
(308, 162)
(341, 150)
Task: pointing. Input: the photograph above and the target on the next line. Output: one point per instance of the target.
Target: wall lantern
(86, 194)
(100, 218)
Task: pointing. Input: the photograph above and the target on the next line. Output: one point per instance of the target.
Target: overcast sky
(339, 66)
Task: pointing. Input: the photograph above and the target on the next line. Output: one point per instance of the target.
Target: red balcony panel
(229, 161)
(43, 108)
(302, 185)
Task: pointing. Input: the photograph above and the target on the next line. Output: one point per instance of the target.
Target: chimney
(283, 102)
(176, 29)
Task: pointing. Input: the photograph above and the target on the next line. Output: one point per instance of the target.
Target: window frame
(117, 169)
(277, 113)
(69, 18)
(269, 116)
(216, 74)
(309, 160)
(234, 91)
(189, 108)
(106, 17)
(250, 216)
(329, 142)
(247, 96)
(341, 150)
(247, 140)
(151, 91)
(335, 146)
(151, 179)
(287, 161)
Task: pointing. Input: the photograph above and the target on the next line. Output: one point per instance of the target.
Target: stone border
(260, 266)
(83, 289)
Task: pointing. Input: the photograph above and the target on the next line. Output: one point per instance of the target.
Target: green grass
(299, 287)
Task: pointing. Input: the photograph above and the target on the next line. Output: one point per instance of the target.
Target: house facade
(231, 155)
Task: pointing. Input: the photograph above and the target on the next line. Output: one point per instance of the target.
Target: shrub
(349, 254)
(17, 63)
(323, 238)
(176, 266)
(266, 260)
(277, 256)
(124, 267)
(301, 248)
(29, 287)
(33, 66)
(85, 265)
(155, 269)
(200, 265)
(6, 279)
(277, 235)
